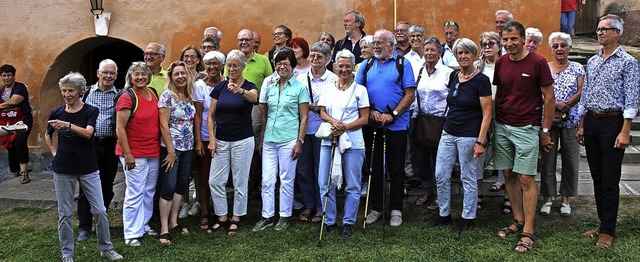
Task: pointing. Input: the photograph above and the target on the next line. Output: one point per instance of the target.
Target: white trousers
(278, 163)
(138, 197)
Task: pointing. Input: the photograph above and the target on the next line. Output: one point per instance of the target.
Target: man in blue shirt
(390, 96)
(607, 106)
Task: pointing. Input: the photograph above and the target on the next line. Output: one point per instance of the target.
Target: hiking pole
(334, 142)
(384, 178)
(366, 205)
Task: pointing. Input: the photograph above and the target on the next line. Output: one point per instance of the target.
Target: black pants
(18, 153)
(396, 146)
(108, 166)
(605, 163)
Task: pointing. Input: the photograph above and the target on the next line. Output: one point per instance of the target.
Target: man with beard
(353, 25)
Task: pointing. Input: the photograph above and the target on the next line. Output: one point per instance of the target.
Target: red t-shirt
(518, 94)
(143, 129)
(568, 6)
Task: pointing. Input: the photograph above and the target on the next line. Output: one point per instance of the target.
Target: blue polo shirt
(384, 89)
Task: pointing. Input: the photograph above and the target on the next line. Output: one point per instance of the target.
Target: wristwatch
(545, 130)
(394, 113)
(301, 141)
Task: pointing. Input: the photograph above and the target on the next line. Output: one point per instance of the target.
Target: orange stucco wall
(36, 33)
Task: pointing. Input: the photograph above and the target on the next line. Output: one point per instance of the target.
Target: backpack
(399, 67)
(134, 103)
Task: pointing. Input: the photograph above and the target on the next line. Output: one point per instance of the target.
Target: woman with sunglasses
(464, 135)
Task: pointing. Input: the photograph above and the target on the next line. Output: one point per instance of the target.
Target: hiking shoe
(396, 218)
(184, 210)
(347, 230)
(111, 255)
(262, 224)
(329, 228)
(18, 127)
(195, 209)
(282, 224)
(83, 235)
(463, 225)
(438, 221)
(373, 217)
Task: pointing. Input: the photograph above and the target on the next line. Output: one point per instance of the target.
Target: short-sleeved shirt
(464, 116)
(181, 120)
(159, 80)
(283, 113)
(518, 93)
(75, 155)
(319, 85)
(201, 93)
(143, 129)
(568, 6)
(335, 100)
(25, 107)
(565, 85)
(233, 112)
(385, 91)
(103, 100)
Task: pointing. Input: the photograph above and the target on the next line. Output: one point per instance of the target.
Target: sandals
(218, 226)
(304, 216)
(425, 199)
(545, 210)
(317, 218)
(591, 233)
(497, 186)
(165, 239)
(506, 231)
(565, 210)
(180, 230)
(527, 245)
(506, 207)
(604, 241)
(25, 178)
(232, 231)
(204, 222)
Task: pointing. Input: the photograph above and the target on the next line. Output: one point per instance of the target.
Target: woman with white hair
(346, 106)
(213, 66)
(75, 160)
(533, 39)
(366, 49)
(464, 135)
(231, 141)
(568, 78)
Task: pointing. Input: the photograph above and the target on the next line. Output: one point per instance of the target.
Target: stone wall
(629, 10)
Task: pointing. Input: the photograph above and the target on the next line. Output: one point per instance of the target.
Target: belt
(609, 114)
(104, 139)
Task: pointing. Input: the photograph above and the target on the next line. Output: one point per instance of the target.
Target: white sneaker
(373, 217)
(195, 209)
(132, 242)
(111, 255)
(184, 210)
(396, 218)
(565, 210)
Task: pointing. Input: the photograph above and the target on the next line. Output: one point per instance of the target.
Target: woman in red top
(139, 148)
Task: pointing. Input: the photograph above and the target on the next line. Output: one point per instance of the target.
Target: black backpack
(399, 67)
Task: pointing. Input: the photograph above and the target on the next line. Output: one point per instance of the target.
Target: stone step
(632, 154)
(635, 123)
(579, 59)
(635, 137)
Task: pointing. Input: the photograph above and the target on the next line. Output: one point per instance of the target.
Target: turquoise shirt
(283, 114)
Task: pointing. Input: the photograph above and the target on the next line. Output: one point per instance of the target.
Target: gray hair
(346, 54)
(505, 12)
(214, 55)
(218, 32)
(559, 35)
(466, 45)
(237, 55)
(75, 80)
(368, 40)
(134, 65)
(321, 47)
(417, 28)
(535, 33)
(106, 62)
(161, 46)
(391, 39)
(357, 17)
(214, 41)
(434, 41)
(616, 21)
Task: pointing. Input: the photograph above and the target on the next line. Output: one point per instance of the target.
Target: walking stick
(384, 178)
(334, 142)
(366, 205)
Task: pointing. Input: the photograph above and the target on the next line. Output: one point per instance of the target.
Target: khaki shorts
(516, 148)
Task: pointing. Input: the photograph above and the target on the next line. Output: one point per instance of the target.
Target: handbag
(324, 131)
(427, 129)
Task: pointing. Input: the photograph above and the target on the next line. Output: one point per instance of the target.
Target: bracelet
(479, 143)
(242, 92)
(69, 125)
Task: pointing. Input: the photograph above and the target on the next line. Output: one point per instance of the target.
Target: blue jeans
(566, 22)
(176, 181)
(307, 172)
(65, 186)
(352, 160)
(449, 148)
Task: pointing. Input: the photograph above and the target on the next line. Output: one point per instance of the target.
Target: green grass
(30, 235)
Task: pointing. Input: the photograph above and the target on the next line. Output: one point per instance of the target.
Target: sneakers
(283, 224)
(132, 242)
(373, 217)
(18, 127)
(347, 230)
(184, 210)
(195, 209)
(329, 228)
(463, 225)
(111, 255)
(565, 210)
(83, 235)
(396, 218)
(438, 221)
(262, 224)
(546, 209)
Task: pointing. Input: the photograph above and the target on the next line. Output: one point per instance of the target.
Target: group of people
(325, 116)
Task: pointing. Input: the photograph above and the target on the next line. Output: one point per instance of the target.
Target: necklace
(339, 86)
(465, 76)
(559, 68)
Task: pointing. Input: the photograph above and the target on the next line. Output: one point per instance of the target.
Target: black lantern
(96, 7)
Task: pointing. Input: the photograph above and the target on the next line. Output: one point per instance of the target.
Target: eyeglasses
(314, 56)
(241, 40)
(282, 64)
(192, 57)
(108, 73)
(416, 36)
(208, 47)
(605, 29)
(449, 33)
(151, 54)
(455, 90)
(377, 43)
(233, 66)
(401, 30)
(277, 33)
(488, 44)
(556, 46)
(212, 64)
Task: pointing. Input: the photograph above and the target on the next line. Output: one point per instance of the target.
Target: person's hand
(622, 141)
(234, 88)
(338, 128)
(478, 150)
(562, 106)
(374, 116)
(580, 136)
(297, 150)
(545, 141)
(58, 124)
(213, 147)
(129, 162)
(169, 161)
(386, 119)
(199, 148)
